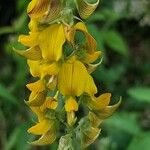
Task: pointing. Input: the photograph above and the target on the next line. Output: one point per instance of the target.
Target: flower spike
(62, 65)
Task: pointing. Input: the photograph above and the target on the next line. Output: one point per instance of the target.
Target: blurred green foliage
(122, 30)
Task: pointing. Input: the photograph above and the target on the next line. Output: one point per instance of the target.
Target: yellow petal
(33, 25)
(69, 33)
(90, 88)
(37, 86)
(49, 69)
(37, 8)
(65, 79)
(47, 138)
(91, 42)
(29, 40)
(51, 41)
(94, 120)
(71, 119)
(108, 111)
(33, 53)
(52, 82)
(40, 128)
(36, 99)
(71, 105)
(89, 136)
(90, 58)
(92, 67)
(34, 68)
(81, 26)
(38, 112)
(49, 103)
(100, 103)
(73, 79)
(79, 75)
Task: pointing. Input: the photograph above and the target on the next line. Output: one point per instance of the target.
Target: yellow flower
(73, 79)
(100, 105)
(91, 44)
(41, 68)
(50, 103)
(47, 129)
(46, 126)
(50, 41)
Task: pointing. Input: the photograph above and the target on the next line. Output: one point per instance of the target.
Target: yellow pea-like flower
(73, 79)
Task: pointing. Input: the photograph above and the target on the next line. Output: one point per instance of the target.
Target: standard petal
(65, 79)
(79, 75)
(51, 41)
(73, 79)
(90, 88)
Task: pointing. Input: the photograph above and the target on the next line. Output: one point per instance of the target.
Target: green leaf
(140, 93)
(115, 41)
(124, 122)
(6, 95)
(141, 141)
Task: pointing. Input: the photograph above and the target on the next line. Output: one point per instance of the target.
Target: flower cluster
(61, 64)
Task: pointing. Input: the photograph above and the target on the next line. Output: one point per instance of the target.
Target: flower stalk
(64, 80)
